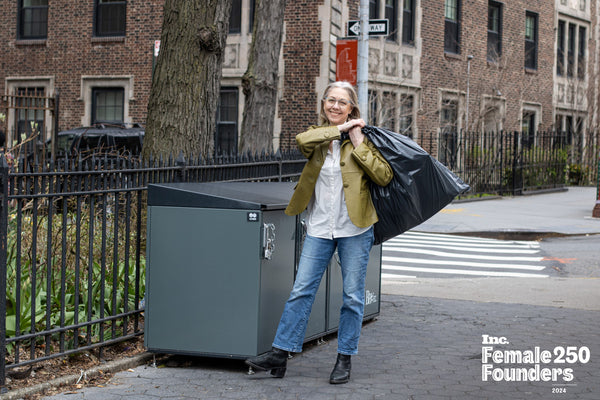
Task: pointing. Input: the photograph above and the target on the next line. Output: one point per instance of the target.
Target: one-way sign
(377, 27)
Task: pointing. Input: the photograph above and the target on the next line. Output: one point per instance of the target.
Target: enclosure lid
(224, 195)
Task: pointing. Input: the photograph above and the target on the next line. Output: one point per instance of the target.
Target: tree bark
(186, 81)
(260, 80)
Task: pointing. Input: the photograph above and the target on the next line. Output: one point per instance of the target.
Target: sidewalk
(428, 341)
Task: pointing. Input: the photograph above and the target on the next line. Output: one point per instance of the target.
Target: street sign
(377, 27)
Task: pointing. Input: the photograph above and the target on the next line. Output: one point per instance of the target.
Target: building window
(451, 26)
(571, 51)
(251, 24)
(30, 108)
(110, 18)
(108, 105)
(449, 132)
(408, 22)
(33, 19)
(493, 115)
(406, 115)
(581, 53)
(531, 40)
(494, 38)
(391, 14)
(530, 119)
(235, 18)
(560, 48)
(388, 111)
(373, 9)
(227, 122)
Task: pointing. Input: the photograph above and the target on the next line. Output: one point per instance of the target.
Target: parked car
(103, 138)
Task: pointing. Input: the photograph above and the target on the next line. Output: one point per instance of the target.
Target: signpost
(377, 27)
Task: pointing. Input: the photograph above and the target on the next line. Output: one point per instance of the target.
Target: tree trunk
(186, 82)
(260, 80)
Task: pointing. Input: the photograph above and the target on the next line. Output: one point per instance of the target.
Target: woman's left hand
(356, 135)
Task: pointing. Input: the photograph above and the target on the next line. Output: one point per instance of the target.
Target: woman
(334, 188)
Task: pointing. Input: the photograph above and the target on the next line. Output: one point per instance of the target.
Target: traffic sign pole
(363, 60)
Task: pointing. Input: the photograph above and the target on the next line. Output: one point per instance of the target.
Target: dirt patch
(75, 364)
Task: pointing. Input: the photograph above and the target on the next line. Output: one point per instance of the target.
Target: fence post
(181, 174)
(3, 268)
(596, 211)
(517, 166)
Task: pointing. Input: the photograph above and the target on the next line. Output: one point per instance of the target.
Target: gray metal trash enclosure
(221, 261)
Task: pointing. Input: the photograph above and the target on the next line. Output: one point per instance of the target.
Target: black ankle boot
(274, 361)
(341, 371)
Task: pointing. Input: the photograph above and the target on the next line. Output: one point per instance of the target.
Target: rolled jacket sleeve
(314, 136)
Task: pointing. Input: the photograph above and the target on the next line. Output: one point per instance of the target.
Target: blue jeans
(316, 253)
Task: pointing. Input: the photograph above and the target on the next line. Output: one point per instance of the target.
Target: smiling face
(337, 106)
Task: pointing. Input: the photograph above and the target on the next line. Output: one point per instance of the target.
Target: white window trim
(493, 102)
(12, 83)
(534, 107)
(90, 82)
(452, 94)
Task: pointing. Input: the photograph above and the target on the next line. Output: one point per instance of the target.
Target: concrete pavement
(456, 338)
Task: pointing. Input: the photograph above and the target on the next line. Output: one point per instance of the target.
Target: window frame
(235, 18)
(408, 22)
(96, 90)
(581, 51)
(100, 7)
(531, 44)
(406, 117)
(452, 26)
(374, 9)
(22, 10)
(571, 43)
(560, 47)
(391, 14)
(232, 146)
(494, 38)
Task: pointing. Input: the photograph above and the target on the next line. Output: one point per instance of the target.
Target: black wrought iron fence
(515, 162)
(72, 255)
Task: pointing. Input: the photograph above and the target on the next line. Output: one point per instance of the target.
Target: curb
(112, 366)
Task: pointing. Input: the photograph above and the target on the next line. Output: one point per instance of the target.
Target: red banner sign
(346, 60)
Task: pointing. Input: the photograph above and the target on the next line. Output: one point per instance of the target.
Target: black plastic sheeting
(421, 186)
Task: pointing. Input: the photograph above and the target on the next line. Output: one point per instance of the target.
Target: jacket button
(342, 164)
(364, 158)
(346, 185)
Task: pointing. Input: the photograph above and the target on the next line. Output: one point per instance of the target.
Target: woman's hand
(356, 136)
(353, 127)
(351, 123)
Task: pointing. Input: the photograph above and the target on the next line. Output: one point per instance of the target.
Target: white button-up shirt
(327, 213)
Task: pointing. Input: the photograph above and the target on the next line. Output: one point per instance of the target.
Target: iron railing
(515, 162)
(72, 246)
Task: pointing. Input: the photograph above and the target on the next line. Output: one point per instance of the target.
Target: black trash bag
(421, 186)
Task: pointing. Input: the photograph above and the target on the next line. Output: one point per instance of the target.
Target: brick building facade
(419, 76)
(76, 56)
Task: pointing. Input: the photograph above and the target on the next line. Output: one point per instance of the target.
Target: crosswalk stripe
(462, 263)
(453, 242)
(458, 255)
(458, 238)
(467, 272)
(506, 249)
(397, 276)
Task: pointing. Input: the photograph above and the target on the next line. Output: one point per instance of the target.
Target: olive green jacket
(358, 165)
